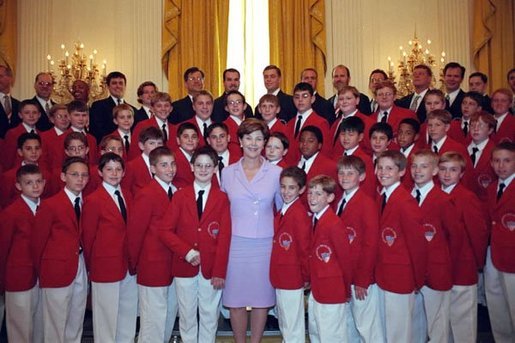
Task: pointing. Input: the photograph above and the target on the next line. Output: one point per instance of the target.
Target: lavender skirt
(248, 273)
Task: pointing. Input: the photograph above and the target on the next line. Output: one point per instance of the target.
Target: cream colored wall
(127, 33)
(361, 34)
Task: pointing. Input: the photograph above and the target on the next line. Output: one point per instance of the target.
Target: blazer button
(195, 244)
(199, 229)
(493, 222)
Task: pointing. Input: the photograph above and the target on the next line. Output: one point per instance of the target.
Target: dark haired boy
(187, 140)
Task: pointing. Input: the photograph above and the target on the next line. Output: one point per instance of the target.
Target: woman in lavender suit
(252, 185)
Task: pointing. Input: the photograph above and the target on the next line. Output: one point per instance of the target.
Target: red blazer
(502, 217)
(444, 238)
(54, 183)
(134, 150)
(149, 256)
(471, 257)
(278, 126)
(330, 270)
(289, 267)
(456, 132)
(184, 175)
(9, 155)
(56, 242)
(482, 175)
(8, 191)
(370, 184)
(210, 236)
(201, 141)
(53, 146)
(451, 145)
(407, 180)
(360, 219)
(315, 120)
(402, 255)
(335, 149)
(233, 129)
(321, 165)
(17, 270)
(397, 114)
(137, 175)
(105, 236)
(506, 131)
(125, 156)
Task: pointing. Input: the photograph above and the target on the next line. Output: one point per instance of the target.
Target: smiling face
(61, 119)
(203, 169)
(452, 79)
(165, 168)
(290, 189)
(124, 120)
(235, 105)
(385, 97)
(252, 144)
(44, 85)
(231, 81)
(500, 103)
(112, 173)
(379, 142)
(422, 170)
(76, 177)
(116, 87)
(318, 199)
(219, 140)
(349, 178)
(147, 95)
(347, 102)
(188, 140)
(162, 109)
(272, 80)
(340, 78)
(203, 106)
(503, 163)
(449, 173)
(388, 172)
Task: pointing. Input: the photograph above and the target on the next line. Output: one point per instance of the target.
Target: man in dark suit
(8, 105)
(422, 77)
(231, 78)
(43, 86)
(101, 112)
(272, 79)
(146, 92)
(341, 78)
(477, 83)
(321, 106)
(453, 74)
(183, 108)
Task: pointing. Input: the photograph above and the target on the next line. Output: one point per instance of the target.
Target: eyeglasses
(61, 116)
(195, 78)
(235, 102)
(76, 175)
(203, 166)
(76, 148)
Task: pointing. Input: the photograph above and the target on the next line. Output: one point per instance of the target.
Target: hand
(361, 293)
(195, 261)
(217, 282)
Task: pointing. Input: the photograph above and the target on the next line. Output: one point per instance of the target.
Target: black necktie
(170, 193)
(205, 131)
(501, 190)
(126, 142)
(418, 196)
(220, 165)
(435, 149)
(119, 101)
(304, 165)
(200, 203)
(315, 221)
(123, 210)
(465, 128)
(384, 117)
(297, 125)
(473, 155)
(383, 203)
(165, 135)
(76, 207)
(340, 209)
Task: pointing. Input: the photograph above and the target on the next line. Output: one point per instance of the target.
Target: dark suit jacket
(455, 108)
(220, 114)
(288, 110)
(323, 107)
(43, 123)
(101, 117)
(405, 102)
(5, 124)
(139, 115)
(182, 110)
(363, 106)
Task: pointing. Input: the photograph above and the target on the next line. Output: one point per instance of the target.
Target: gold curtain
(194, 34)
(298, 39)
(8, 34)
(493, 39)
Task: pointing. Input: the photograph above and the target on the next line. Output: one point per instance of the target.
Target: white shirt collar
(31, 204)
(72, 196)
(286, 206)
(165, 185)
(389, 190)
(424, 190)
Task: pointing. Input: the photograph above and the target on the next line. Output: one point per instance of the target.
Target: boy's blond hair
(433, 157)
(453, 156)
(326, 182)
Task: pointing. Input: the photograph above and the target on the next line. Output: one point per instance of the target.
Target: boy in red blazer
(276, 149)
(150, 257)
(79, 119)
(18, 277)
(500, 264)
(138, 169)
(407, 139)
(197, 228)
(381, 136)
(471, 254)
(444, 236)
(228, 153)
(269, 108)
(460, 127)
(114, 294)
(58, 256)
(123, 117)
(303, 98)
(360, 218)
(330, 266)
(501, 101)
(235, 104)
(187, 140)
(289, 269)
(51, 140)
(401, 262)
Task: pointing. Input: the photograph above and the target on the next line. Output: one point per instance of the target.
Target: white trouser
(197, 293)
(397, 315)
(419, 320)
(326, 322)
(463, 314)
(2, 309)
(24, 318)
(366, 324)
(158, 310)
(500, 297)
(290, 313)
(437, 309)
(115, 307)
(64, 308)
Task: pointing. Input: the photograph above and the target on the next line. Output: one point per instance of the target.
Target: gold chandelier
(409, 59)
(77, 66)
